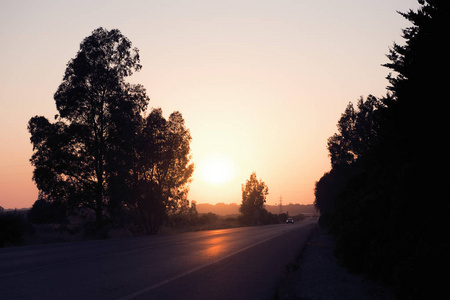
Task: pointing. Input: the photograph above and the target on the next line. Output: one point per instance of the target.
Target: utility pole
(281, 205)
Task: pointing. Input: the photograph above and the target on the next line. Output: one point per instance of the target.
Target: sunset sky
(261, 84)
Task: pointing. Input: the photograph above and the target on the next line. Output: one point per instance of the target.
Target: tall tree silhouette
(254, 194)
(77, 158)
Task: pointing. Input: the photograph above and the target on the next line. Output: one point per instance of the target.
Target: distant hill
(218, 209)
(233, 209)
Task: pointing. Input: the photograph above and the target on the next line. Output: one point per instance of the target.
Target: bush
(208, 219)
(13, 227)
(44, 212)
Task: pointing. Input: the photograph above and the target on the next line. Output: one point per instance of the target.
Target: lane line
(173, 278)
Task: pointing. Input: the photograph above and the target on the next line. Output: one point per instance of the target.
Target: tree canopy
(102, 152)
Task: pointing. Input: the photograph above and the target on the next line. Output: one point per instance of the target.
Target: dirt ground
(317, 276)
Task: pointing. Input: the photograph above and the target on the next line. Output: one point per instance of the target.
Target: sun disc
(216, 169)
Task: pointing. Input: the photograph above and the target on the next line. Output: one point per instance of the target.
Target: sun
(216, 169)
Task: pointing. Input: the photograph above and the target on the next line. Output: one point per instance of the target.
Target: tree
(415, 130)
(254, 194)
(163, 170)
(81, 157)
(340, 145)
(376, 201)
(357, 132)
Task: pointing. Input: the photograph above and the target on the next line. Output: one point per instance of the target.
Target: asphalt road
(238, 263)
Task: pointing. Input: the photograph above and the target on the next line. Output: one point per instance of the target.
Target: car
(289, 220)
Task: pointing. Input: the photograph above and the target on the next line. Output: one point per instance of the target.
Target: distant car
(289, 220)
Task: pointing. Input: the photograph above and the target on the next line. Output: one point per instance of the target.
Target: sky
(260, 84)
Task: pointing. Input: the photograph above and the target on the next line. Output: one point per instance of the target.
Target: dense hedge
(384, 198)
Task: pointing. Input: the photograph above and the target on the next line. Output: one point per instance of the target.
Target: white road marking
(166, 281)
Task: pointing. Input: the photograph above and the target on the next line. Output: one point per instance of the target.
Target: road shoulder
(317, 275)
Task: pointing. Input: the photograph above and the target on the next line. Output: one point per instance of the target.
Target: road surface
(238, 263)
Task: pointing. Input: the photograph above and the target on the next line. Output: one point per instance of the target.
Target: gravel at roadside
(317, 275)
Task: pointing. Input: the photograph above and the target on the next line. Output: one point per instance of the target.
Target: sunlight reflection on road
(214, 247)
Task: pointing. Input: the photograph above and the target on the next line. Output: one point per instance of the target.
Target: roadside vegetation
(106, 162)
(44, 224)
(52, 221)
(386, 163)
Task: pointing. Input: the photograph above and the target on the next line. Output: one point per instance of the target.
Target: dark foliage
(43, 212)
(385, 170)
(254, 194)
(13, 227)
(102, 153)
(162, 170)
(78, 158)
